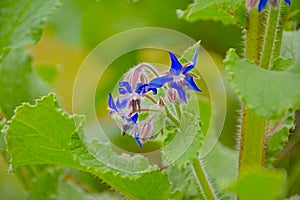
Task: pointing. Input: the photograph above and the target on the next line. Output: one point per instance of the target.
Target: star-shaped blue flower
(263, 3)
(178, 77)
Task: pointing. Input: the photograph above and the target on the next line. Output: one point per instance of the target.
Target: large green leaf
(227, 12)
(269, 93)
(22, 21)
(45, 134)
(19, 82)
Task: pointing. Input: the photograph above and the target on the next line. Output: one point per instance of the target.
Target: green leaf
(68, 190)
(22, 21)
(279, 135)
(49, 179)
(261, 184)
(179, 187)
(45, 134)
(216, 161)
(19, 82)
(183, 143)
(296, 197)
(269, 93)
(291, 49)
(227, 12)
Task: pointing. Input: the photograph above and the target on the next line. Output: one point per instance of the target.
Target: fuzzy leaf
(269, 93)
(227, 12)
(179, 187)
(291, 49)
(183, 143)
(295, 197)
(19, 82)
(47, 72)
(22, 21)
(45, 134)
(280, 130)
(261, 184)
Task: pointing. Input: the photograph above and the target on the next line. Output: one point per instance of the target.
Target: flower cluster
(263, 3)
(135, 96)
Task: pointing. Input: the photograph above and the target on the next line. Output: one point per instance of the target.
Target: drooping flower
(178, 77)
(263, 3)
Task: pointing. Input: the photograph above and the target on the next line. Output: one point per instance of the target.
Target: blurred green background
(79, 25)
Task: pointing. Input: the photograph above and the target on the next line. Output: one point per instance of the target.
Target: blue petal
(122, 90)
(134, 118)
(122, 104)
(191, 83)
(180, 91)
(160, 81)
(188, 68)
(195, 56)
(126, 85)
(111, 103)
(262, 5)
(288, 2)
(137, 138)
(175, 64)
(140, 88)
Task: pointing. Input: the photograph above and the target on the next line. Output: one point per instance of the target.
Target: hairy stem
(252, 151)
(269, 42)
(202, 180)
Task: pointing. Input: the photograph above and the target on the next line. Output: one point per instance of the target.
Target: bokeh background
(80, 25)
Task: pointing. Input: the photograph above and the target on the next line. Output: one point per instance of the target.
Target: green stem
(202, 180)
(254, 35)
(178, 110)
(252, 151)
(282, 12)
(269, 42)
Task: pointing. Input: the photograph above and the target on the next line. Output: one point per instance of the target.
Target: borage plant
(41, 141)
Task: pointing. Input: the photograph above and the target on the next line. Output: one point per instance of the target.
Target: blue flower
(263, 3)
(178, 77)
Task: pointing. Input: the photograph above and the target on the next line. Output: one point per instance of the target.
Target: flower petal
(125, 84)
(111, 103)
(175, 64)
(140, 88)
(191, 83)
(195, 56)
(262, 5)
(134, 118)
(160, 81)
(137, 139)
(180, 91)
(122, 90)
(122, 104)
(193, 64)
(288, 2)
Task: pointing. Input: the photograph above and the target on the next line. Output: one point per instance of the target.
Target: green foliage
(291, 49)
(18, 16)
(280, 132)
(227, 12)
(19, 82)
(58, 142)
(261, 184)
(49, 179)
(269, 93)
(184, 142)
